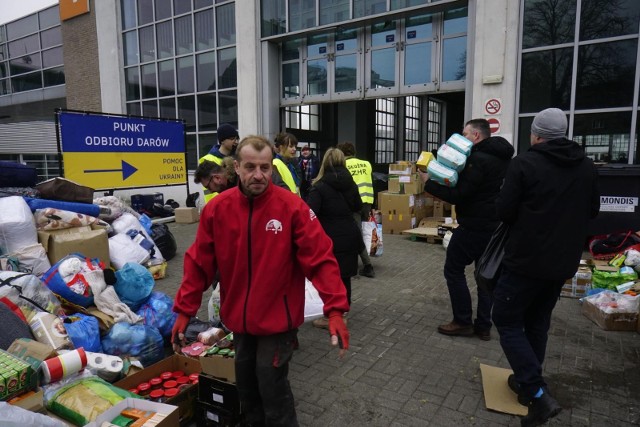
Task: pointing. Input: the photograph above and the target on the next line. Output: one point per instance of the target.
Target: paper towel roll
(62, 366)
(106, 366)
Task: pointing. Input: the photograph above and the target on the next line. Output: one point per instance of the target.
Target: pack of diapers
(442, 174)
(460, 143)
(451, 158)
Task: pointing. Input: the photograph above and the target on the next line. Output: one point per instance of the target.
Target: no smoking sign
(493, 106)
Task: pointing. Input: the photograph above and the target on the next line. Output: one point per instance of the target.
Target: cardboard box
(90, 242)
(578, 285)
(31, 401)
(402, 168)
(170, 412)
(31, 351)
(401, 211)
(187, 215)
(610, 321)
(184, 400)
(220, 367)
(423, 160)
(406, 184)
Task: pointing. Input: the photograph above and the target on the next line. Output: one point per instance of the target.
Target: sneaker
(367, 271)
(515, 387)
(540, 410)
(454, 329)
(483, 334)
(322, 323)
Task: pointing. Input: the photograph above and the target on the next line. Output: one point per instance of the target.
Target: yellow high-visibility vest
(208, 194)
(361, 173)
(285, 174)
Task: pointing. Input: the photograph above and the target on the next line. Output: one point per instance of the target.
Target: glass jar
(155, 383)
(157, 396)
(144, 389)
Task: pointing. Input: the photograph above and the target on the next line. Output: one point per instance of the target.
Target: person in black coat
(550, 192)
(334, 197)
(474, 196)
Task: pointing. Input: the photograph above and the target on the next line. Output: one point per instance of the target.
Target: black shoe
(483, 334)
(368, 271)
(540, 410)
(515, 387)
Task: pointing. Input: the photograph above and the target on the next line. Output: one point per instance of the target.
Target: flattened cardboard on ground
(497, 394)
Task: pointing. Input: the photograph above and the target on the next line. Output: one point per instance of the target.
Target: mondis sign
(108, 152)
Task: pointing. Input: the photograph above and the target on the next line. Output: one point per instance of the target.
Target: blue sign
(390, 38)
(322, 49)
(411, 34)
(340, 46)
(91, 133)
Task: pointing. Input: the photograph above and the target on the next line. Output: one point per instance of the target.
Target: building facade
(395, 77)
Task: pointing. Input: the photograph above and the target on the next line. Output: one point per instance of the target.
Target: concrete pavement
(401, 372)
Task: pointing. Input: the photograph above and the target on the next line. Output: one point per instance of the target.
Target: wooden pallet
(428, 234)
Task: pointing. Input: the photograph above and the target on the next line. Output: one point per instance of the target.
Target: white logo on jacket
(274, 225)
(312, 215)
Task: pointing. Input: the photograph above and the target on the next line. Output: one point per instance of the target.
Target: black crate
(145, 202)
(218, 394)
(213, 416)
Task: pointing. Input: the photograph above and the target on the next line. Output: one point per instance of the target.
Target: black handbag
(489, 264)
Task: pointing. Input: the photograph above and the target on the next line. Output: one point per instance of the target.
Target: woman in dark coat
(334, 197)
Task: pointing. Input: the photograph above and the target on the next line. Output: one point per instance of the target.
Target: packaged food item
(49, 329)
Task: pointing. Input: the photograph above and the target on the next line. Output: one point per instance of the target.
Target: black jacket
(549, 194)
(478, 184)
(334, 199)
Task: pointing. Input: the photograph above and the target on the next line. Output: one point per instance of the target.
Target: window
(411, 128)
(385, 130)
(434, 120)
(304, 117)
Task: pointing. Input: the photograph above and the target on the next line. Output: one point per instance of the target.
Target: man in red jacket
(264, 240)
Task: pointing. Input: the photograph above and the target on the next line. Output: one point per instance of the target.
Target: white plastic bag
(445, 239)
(17, 226)
(214, 306)
(372, 237)
(123, 250)
(33, 259)
(313, 305)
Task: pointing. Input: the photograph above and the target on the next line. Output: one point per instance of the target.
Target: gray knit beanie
(550, 124)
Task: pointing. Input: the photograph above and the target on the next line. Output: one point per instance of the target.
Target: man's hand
(424, 176)
(177, 333)
(339, 332)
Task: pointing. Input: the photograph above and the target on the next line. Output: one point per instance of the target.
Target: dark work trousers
(522, 314)
(465, 247)
(347, 284)
(262, 368)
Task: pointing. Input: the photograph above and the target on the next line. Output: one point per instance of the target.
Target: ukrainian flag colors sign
(109, 152)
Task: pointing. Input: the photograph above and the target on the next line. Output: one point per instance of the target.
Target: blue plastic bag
(77, 291)
(140, 341)
(157, 311)
(133, 285)
(84, 331)
(145, 221)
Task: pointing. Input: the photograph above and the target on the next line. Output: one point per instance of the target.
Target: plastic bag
(489, 266)
(32, 259)
(28, 293)
(446, 239)
(157, 311)
(632, 259)
(122, 250)
(134, 285)
(15, 416)
(372, 237)
(164, 240)
(213, 307)
(140, 341)
(82, 398)
(313, 304)
(66, 278)
(84, 331)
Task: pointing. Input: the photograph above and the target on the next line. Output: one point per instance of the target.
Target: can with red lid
(177, 374)
(193, 377)
(133, 390)
(166, 376)
(182, 380)
(170, 384)
(170, 392)
(155, 383)
(144, 389)
(157, 395)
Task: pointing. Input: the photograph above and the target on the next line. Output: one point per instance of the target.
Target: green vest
(361, 173)
(285, 174)
(208, 194)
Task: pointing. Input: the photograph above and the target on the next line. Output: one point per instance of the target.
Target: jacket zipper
(286, 309)
(249, 272)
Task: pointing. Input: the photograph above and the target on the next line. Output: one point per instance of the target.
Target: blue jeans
(522, 314)
(465, 247)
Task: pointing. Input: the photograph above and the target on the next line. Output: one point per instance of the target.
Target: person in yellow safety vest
(213, 177)
(361, 173)
(286, 172)
(227, 141)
